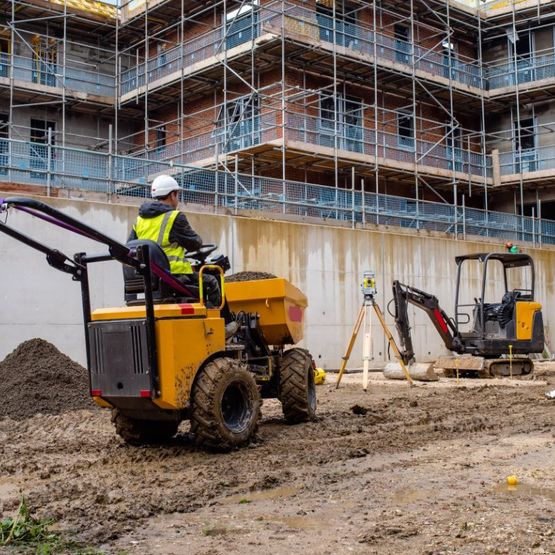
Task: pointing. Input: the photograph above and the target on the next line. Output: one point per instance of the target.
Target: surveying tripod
(369, 292)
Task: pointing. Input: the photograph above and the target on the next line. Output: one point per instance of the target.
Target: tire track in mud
(73, 468)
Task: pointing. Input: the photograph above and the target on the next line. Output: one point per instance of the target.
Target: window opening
(45, 56)
(525, 146)
(239, 123)
(241, 25)
(38, 148)
(405, 130)
(346, 30)
(402, 43)
(350, 130)
(4, 58)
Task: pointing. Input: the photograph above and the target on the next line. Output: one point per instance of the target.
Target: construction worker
(159, 220)
(511, 248)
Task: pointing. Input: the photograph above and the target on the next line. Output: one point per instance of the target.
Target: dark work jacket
(181, 232)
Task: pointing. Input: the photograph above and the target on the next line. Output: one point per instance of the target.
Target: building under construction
(430, 114)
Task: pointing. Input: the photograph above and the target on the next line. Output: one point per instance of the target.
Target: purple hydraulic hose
(167, 278)
(54, 221)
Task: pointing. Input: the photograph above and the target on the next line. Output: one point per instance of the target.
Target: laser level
(369, 291)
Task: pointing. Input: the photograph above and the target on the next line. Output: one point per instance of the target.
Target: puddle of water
(405, 496)
(263, 495)
(526, 490)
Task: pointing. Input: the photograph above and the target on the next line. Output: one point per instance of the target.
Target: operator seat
(506, 312)
(162, 292)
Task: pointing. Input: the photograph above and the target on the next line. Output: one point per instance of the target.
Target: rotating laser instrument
(369, 292)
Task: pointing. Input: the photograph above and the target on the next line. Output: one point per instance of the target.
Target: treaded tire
(225, 405)
(297, 391)
(141, 432)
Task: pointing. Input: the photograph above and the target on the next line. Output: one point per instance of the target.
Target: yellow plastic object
(101, 402)
(319, 376)
(279, 303)
(512, 480)
(186, 335)
(525, 311)
(102, 9)
(220, 281)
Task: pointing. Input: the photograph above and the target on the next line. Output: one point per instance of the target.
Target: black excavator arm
(405, 294)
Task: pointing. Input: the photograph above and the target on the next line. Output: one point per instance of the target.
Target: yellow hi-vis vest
(158, 229)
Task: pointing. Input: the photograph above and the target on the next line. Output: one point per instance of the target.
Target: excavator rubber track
(479, 367)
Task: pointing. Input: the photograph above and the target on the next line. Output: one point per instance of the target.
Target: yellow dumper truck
(163, 357)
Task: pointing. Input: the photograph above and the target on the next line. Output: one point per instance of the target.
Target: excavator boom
(405, 294)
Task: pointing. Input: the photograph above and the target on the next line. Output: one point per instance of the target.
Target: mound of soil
(37, 378)
(248, 276)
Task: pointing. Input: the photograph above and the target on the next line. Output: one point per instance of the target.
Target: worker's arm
(184, 235)
(132, 235)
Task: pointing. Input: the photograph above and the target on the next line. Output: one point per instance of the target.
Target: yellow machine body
(186, 336)
(525, 311)
(280, 305)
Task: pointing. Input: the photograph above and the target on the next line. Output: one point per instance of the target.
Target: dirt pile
(248, 276)
(37, 378)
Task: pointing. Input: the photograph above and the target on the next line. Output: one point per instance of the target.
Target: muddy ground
(418, 470)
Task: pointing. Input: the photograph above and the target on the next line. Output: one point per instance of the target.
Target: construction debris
(249, 276)
(419, 371)
(37, 378)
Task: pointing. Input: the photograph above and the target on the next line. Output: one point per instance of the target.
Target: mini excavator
(513, 326)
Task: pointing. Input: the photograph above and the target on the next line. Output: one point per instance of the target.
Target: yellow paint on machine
(279, 303)
(160, 311)
(186, 335)
(525, 311)
(183, 346)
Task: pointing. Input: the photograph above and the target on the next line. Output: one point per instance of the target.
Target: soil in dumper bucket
(37, 378)
(249, 276)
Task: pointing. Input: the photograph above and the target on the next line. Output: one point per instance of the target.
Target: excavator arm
(405, 294)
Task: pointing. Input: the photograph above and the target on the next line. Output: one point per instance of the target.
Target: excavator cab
(514, 319)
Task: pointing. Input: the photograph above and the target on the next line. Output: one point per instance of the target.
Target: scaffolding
(416, 99)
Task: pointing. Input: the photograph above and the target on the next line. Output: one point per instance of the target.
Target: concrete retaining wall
(324, 261)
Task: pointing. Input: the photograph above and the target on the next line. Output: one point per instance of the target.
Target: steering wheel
(203, 252)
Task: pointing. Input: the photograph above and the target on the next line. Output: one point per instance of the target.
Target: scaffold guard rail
(50, 166)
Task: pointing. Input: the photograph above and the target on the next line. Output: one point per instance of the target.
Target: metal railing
(352, 38)
(33, 71)
(355, 39)
(527, 160)
(52, 166)
(526, 70)
(315, 131)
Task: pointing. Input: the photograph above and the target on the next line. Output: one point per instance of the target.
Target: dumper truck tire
(225, 405)
(141, 432)
(297, 390)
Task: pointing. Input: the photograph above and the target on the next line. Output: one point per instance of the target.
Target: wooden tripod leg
(392, 342)
(345, 359)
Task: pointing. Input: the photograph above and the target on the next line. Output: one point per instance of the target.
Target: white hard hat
(163, 185)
